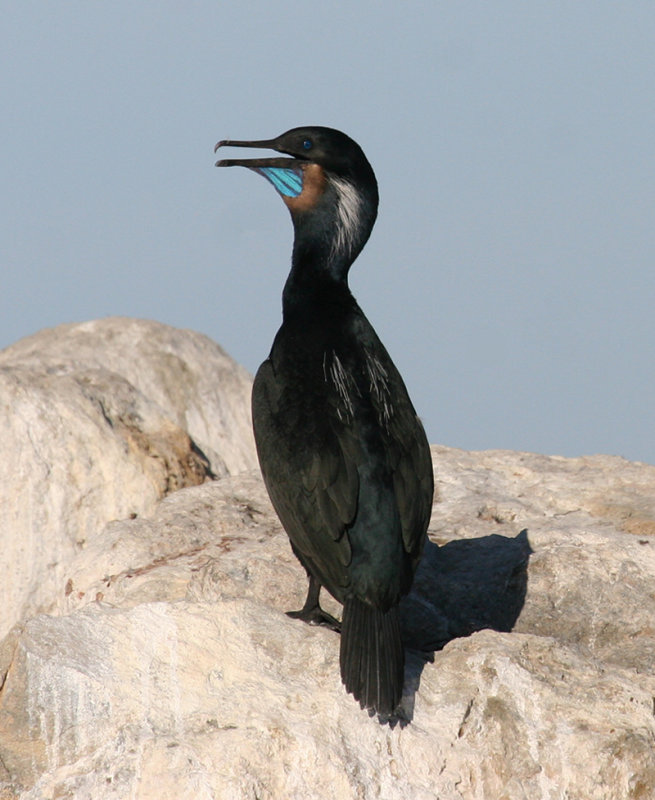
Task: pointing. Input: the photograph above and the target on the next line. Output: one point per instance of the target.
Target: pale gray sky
(511, 271)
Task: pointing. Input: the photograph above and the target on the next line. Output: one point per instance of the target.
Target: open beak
(262, 144)
(285, 173)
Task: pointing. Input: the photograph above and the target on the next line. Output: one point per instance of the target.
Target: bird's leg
(311, 612)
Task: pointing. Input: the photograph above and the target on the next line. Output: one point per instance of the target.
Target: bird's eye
(307, 144)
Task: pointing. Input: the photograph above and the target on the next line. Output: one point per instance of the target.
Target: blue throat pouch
(287, 182)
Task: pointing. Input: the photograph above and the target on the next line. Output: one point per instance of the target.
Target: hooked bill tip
(220, 144)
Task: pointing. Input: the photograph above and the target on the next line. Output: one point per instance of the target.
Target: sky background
(511, 271)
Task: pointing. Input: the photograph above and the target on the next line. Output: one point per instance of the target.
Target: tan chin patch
(313, 186)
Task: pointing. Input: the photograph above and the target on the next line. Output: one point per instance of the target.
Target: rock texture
(99, 421)
(167, 668)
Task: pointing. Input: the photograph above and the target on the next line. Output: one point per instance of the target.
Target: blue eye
(307, 144)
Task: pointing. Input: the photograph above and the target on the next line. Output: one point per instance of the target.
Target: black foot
(316, 616)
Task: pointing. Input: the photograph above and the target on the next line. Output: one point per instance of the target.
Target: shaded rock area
(166, 667)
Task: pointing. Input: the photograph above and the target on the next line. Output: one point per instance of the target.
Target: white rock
(166, 667)
(191, 378)
(98, 422)
(172, 671)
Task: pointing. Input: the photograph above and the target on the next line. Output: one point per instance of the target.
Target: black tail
(372, 657)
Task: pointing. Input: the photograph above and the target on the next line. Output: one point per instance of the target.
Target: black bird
(344, 457)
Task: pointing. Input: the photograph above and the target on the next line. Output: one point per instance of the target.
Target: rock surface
(101, 420)
(167, 668)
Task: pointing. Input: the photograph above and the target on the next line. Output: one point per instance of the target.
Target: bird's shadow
(460, 588)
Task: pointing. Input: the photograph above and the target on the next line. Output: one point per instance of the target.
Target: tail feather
(372, 656)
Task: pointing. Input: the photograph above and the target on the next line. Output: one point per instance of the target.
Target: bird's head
(328, 186)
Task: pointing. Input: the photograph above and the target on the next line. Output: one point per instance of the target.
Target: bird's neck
(326, 242)
(313, 284)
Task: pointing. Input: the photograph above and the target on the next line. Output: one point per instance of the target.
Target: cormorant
(344, 456)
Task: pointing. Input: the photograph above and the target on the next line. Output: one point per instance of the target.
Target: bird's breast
(349, 386)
